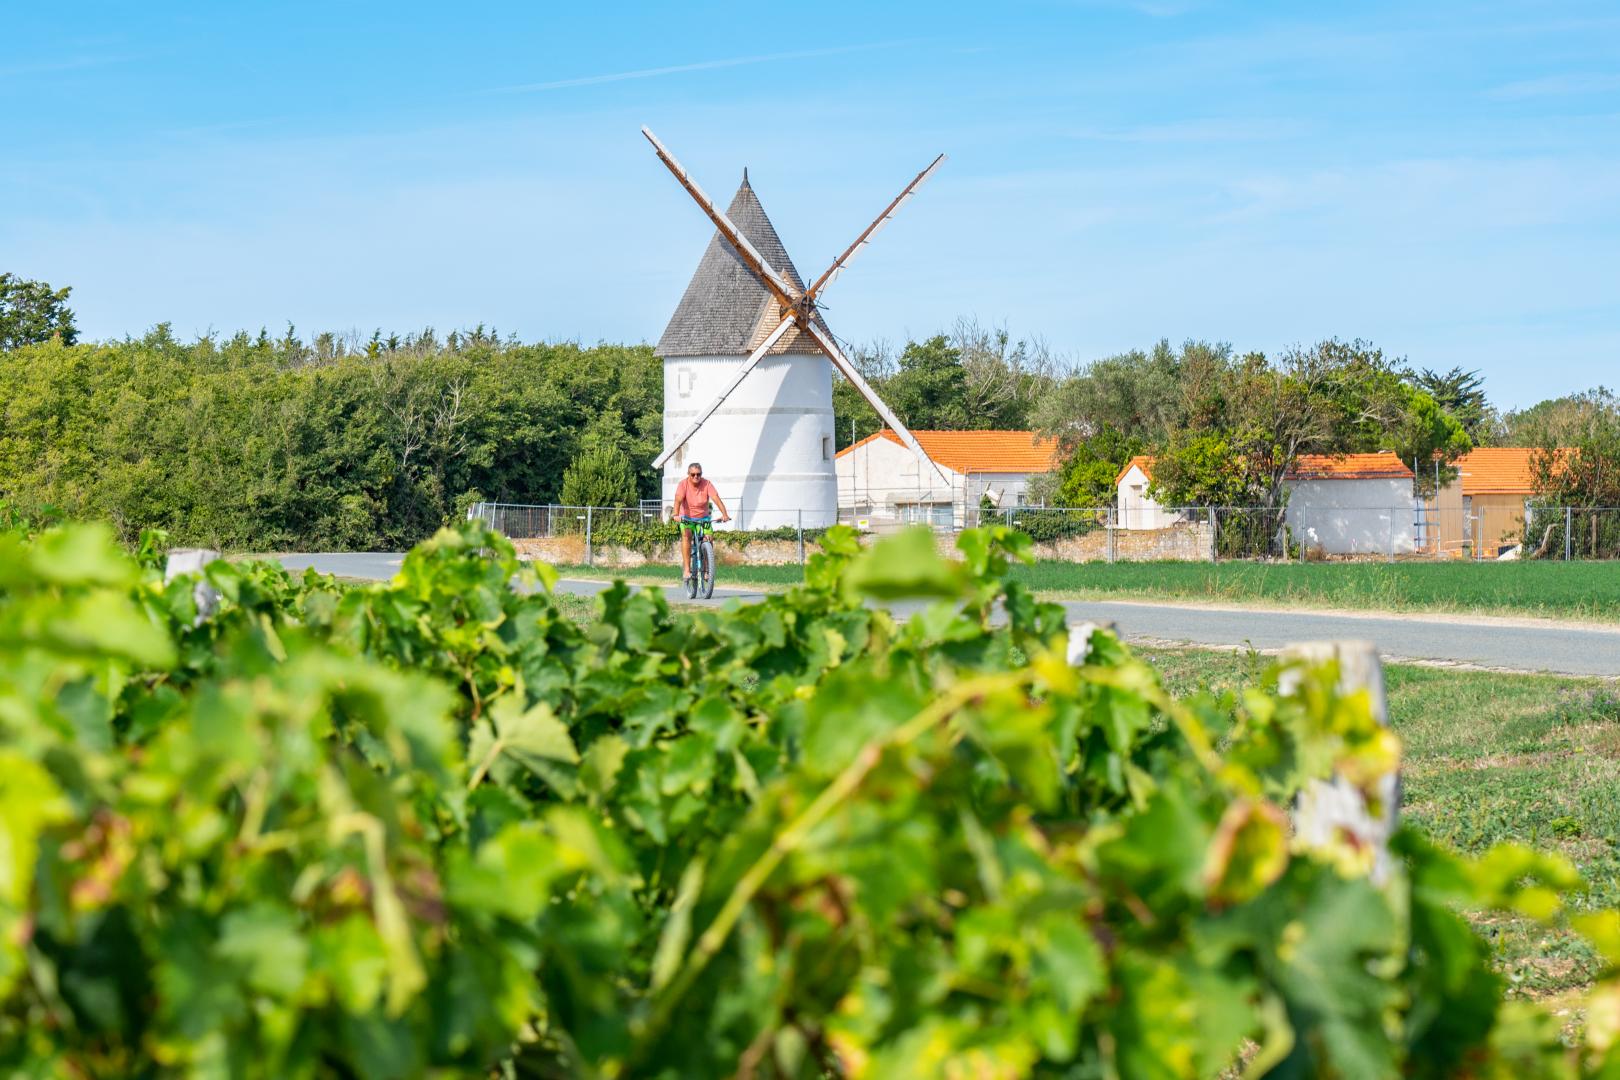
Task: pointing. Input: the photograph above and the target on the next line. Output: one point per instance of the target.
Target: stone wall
(1188, 542)
(1181, 541)
(1184, 541)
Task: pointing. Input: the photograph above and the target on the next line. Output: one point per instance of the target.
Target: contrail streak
(678, 69)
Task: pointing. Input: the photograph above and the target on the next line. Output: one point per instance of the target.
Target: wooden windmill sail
(747, 298)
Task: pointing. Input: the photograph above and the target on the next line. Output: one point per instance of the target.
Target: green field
(1527, 758)
(1575, 590)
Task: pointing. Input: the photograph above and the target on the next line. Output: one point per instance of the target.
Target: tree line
(1225, 428)
(268, 442)
(264, 443)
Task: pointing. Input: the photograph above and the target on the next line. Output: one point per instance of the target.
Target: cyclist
(692, 497)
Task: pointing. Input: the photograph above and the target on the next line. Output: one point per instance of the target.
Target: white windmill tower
(767, 440)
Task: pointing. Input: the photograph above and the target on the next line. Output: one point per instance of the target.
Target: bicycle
(700, 574)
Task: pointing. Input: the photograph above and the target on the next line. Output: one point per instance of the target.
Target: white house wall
(880, 474)
(769, 449)
(1136, 510)
(1352, 517)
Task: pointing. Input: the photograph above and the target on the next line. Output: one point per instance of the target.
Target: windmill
(745, 311)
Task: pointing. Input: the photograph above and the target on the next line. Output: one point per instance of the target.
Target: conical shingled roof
(726, 311)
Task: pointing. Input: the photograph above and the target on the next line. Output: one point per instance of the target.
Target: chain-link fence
(521, 521)
(1134, 533)
(1572, 532)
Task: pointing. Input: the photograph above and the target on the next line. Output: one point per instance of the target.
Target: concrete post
(1080, 639)
(192, 561)
(589, 560)
(800, 513)
(1331, 811)
(1568, 525)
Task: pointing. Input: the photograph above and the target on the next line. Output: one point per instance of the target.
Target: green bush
(599, 476)
(254, 444)
(1044, 524)
(432, 827)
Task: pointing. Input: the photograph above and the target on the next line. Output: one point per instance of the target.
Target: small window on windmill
(826, 448)
(683, 381)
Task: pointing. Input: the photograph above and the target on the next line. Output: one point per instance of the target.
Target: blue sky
(1440, 178)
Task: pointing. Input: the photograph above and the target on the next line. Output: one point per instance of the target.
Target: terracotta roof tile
(1497, 470)
(1140, 461)
(979, 451)
(1349, 467)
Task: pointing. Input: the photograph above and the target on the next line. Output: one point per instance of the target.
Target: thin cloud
(73, 63)
(1558, 85)
(681, 69)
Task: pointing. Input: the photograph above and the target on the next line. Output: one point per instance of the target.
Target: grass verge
(578, 609)
(1528, 758)
(752, 577)
(1573, 590)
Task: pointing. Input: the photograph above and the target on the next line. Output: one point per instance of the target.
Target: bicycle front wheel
(708, 569)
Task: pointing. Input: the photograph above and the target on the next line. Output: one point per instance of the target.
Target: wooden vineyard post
(1332, 811)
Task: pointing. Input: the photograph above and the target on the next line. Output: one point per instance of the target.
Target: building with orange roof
(1341, 504)
(1497, 483)
(1346, 504)
(880, 479)
(1356, 504)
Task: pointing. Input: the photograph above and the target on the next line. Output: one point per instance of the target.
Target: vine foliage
(434, 826)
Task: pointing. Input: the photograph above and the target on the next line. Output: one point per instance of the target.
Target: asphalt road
(1509, 644)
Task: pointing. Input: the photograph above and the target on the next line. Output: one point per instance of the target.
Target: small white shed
(1136, 509)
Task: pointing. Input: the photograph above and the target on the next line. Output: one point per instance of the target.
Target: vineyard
(440, 827)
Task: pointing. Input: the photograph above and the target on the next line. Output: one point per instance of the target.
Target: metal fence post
(588, 559)
(1567, 527)
(800, 513)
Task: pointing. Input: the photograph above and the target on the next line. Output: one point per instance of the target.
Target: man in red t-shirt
(692, 497)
